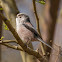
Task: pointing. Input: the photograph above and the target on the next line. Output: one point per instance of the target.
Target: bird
(26, 31)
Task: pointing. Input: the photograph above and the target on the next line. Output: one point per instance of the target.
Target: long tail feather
(45, 43)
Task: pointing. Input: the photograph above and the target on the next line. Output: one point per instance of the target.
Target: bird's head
(22, 18)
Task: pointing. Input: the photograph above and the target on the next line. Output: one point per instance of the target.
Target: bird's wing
(37, 35)
(32, 30)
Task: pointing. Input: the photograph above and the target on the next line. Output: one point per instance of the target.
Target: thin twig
(28, 50)
(5, 42)
(13, 46)
(37, 25)
(37, 19)
(8, 41)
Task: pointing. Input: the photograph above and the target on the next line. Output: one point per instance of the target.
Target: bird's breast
(25, 34)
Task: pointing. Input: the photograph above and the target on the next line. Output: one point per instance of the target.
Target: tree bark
(50, 18)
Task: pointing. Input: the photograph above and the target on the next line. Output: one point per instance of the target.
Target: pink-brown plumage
(25, 34)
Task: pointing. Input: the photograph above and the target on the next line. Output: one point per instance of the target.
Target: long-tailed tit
(26, 31)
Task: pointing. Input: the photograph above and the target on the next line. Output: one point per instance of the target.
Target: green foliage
(1, 8)
(2, 37)
(5, 26)
(41, 2)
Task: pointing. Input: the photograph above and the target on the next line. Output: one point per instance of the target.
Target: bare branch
(28, 50)
(37, 19)
(13, 46)
(37, 23)
(8, 41)
(10, 9)
(4, 42)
